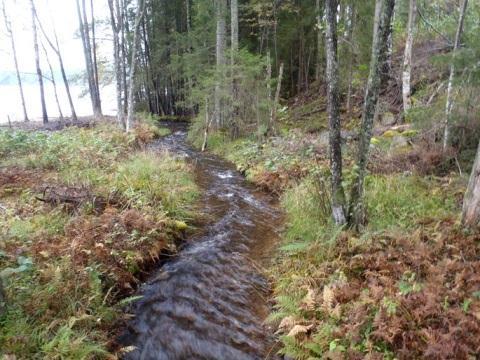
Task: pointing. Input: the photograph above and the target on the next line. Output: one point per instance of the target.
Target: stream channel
(211, 300)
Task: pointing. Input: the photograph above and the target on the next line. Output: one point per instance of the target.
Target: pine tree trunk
(449, 102)
(133, 64)
(471, 201)
(407, 58)
(8, 27)
(37, 64)
(335, 141)
(220, 7)
(382, 30)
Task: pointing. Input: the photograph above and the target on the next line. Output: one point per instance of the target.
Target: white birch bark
(407, 58)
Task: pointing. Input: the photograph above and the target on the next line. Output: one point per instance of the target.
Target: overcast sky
(64, 16)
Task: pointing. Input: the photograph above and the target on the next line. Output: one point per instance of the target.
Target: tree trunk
(318, 70)
(94, 56)
(407, 58)
(115, 23)
(351, 27)
(471, 201)
(54, 83)
(382, 29)
(87, 51)
(8, 27)
(273, 114)
(56, 49)
(37, 64)
(234, 26)
(133, 64)
(123, 58)
(449, 102)
(220, 7)
(335, 140)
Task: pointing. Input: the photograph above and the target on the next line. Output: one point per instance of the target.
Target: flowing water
(210, 301)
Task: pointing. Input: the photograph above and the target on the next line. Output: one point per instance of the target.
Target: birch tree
(335, 145)
(56, 49)
(407, 57)
(37, 64)
(381, 33)
(133, 63)
(449, 102)
(8, 27)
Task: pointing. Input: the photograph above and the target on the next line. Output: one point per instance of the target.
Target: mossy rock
(390, 134)
(375, 141)
(181, 225)
(410, 133)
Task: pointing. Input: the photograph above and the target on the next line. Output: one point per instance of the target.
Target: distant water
(11, 105)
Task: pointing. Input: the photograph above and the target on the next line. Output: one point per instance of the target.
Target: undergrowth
(398, 290)
(84, 213)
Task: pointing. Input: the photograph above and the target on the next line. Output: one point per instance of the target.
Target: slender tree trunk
(124, 30)
(407, 58)
(114, 19)
(37, 64)
(351, 27)
(54, 83)
(234, 27)
(94, 55)
(87, 50)
(471, 201)
(133, 64)
(234, 53)
(56, 49)
(273, 113)
(335, 140)
(207, 126)
(318, 70)
(382, 30)
(8, 27)
(220, 7)
(449, 102)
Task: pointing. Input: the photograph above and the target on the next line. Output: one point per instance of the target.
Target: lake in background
(11, 105)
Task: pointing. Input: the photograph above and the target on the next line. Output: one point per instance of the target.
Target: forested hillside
(355, 235)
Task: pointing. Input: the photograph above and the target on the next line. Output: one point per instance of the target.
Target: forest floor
(85, 212)
(409, 285)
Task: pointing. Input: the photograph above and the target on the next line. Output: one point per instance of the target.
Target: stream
(210, 301)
